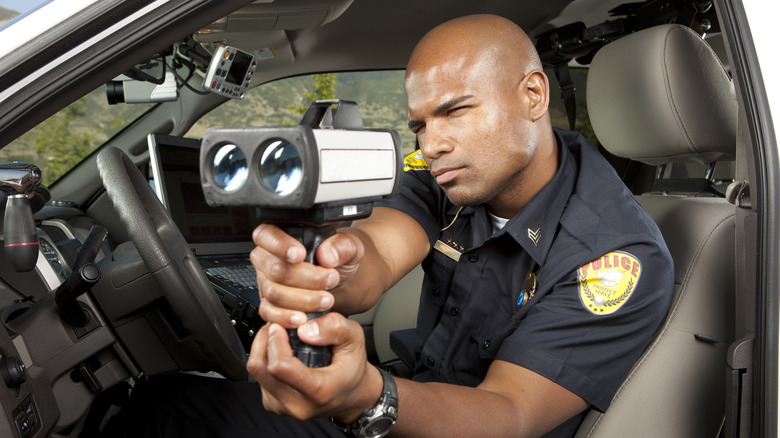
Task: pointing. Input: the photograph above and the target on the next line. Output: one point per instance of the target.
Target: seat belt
(563, 75)
(740, 366)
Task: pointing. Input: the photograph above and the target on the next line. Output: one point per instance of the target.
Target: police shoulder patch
(606, 283)
(414, 161)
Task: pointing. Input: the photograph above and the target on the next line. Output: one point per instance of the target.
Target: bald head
(504, 45)
(478, 101)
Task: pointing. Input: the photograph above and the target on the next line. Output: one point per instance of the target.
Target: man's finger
(298, 274)
(280, 303)
(277, 242)
(282, 365)
(332, 329)
(339, 250)
(256, 363)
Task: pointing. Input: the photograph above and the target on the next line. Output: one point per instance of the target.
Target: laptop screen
(208, 230)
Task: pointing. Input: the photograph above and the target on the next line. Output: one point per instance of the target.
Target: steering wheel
(167, 255)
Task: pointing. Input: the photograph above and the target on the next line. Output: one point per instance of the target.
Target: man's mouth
(445, 175)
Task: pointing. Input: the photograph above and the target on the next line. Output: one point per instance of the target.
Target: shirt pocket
(490, 334)
(439, 271)
(475, 358)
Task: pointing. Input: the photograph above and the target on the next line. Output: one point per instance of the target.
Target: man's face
(472, 127)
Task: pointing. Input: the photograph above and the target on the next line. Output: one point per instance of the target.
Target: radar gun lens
(281, 168)
(230, 168)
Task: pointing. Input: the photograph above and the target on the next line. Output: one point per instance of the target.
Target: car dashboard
(53, 368)
(63, 347)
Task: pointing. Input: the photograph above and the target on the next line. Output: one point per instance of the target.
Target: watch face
(378, 426)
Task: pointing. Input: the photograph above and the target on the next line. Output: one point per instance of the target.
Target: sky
(20, 6)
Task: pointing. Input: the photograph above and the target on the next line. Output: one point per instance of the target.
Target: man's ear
(537, 90)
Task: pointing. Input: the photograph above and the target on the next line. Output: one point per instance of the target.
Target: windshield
(10, 9)
(379, 95)
(67, 137)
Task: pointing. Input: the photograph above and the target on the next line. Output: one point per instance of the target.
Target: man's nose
(434, 142)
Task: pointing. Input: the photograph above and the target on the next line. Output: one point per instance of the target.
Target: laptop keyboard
(234, 274)
(235, 282)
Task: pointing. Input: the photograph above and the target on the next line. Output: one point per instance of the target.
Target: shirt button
(486, 344)
(454, 311)
(473, 258)
(430, 362)
(435, 291)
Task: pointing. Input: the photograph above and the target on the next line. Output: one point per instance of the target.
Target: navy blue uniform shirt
(603, 280)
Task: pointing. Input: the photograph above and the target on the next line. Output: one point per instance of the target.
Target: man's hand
(290, 288)
(343, 390)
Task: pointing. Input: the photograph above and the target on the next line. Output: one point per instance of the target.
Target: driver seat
(662, 97)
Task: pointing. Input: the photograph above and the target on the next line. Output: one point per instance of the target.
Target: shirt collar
(537, 223)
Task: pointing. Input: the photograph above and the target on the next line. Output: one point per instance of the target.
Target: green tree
(324, 88)
(61, 145)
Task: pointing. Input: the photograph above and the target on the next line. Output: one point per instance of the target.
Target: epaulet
(414, 161)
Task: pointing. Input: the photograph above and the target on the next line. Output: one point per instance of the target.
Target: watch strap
(385, 409)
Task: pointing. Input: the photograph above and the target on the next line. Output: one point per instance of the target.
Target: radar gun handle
(311, 236)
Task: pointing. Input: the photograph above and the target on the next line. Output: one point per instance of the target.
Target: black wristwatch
(378, 420)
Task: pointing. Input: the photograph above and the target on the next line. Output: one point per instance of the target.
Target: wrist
(377, 420)
(371, 386)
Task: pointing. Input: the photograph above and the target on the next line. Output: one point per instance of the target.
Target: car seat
(662, 97)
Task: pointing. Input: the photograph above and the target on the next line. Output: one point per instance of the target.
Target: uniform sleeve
(419, 198)
(587, 332)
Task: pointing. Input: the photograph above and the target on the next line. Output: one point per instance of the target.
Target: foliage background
(59, 143)
(6, 15)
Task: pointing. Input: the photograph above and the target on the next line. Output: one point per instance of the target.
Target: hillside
(6, 15)
(59, 143)
(379, 95)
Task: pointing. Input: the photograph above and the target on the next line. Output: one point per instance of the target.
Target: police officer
(545, 280)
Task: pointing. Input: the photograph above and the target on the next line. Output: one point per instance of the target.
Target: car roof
(367, 35)
(307, 36)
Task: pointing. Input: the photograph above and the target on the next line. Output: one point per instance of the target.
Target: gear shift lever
(18, 181)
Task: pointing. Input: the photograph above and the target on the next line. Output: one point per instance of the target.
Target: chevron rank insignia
(535, 236)
(414, 161)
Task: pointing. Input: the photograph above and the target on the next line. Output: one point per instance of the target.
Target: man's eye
(457, 110)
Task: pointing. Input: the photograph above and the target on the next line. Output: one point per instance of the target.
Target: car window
(13, 10)
(379, 95)
(22, 21)
(10, 9)
(67, 137)
(64, 139)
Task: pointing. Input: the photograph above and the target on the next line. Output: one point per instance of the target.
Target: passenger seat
(661, 96)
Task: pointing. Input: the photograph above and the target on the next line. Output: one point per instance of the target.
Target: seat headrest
(661, 95)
